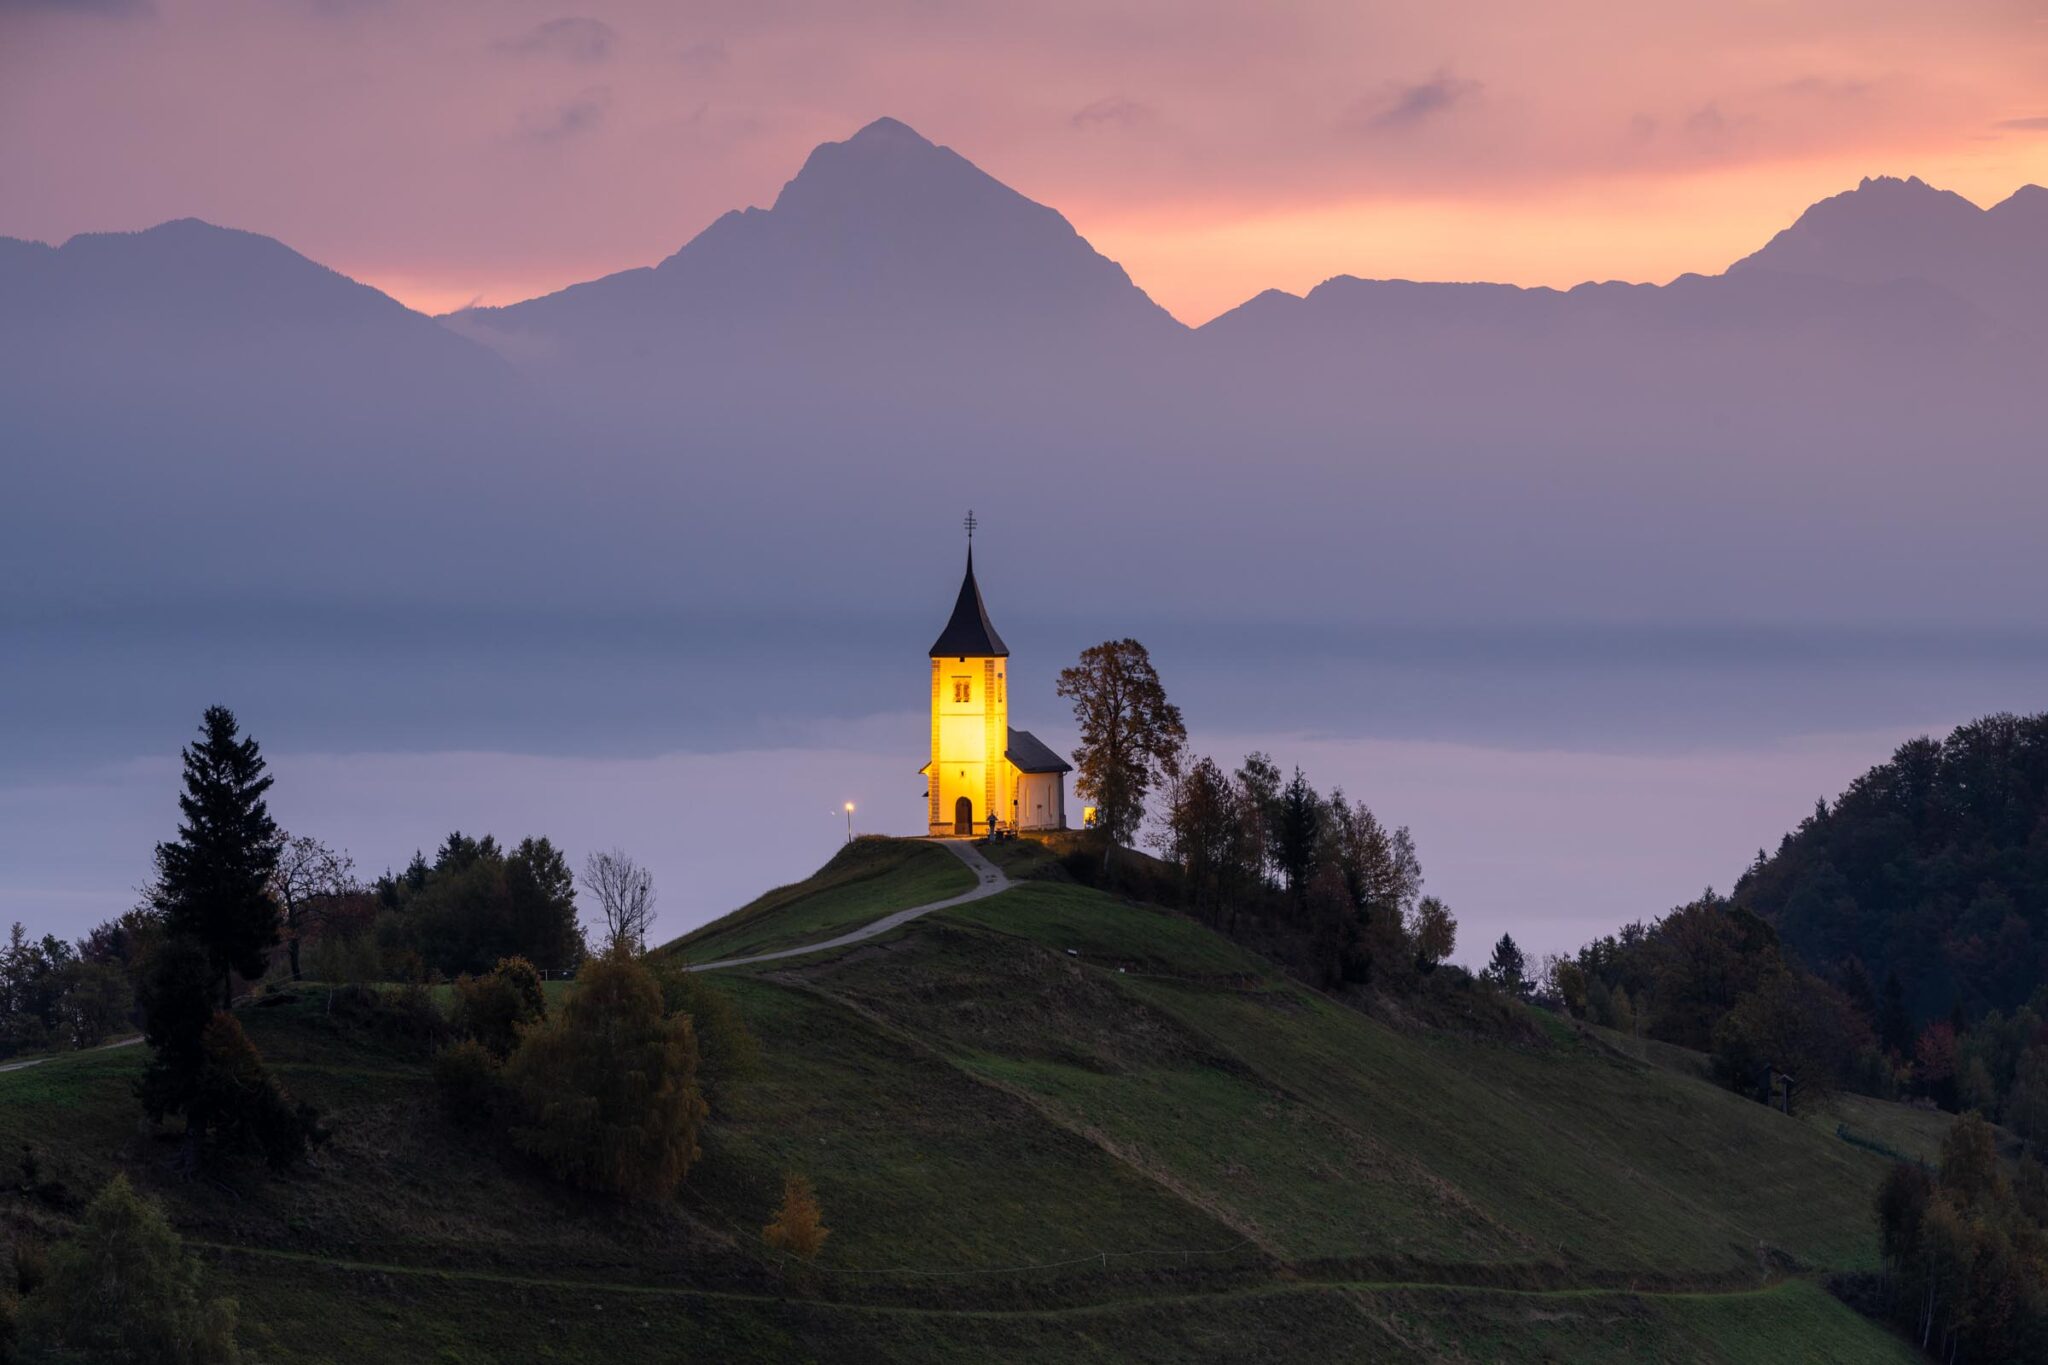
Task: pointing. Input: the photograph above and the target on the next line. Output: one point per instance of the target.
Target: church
(981, 767)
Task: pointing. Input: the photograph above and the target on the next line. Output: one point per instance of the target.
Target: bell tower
(968, 776)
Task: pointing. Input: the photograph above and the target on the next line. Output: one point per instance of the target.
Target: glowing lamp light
(849, 822)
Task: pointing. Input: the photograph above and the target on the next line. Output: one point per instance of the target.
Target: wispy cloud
(2035, 124)
(572, 118)
(1400, 107)
(572, 40)
(1111, 111)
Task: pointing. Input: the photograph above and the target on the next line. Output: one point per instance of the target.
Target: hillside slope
(1045, 1125)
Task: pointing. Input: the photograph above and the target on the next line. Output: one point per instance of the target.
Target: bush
(467, 1075)
(238, 1104)
(122, 1289)
(798, 1227)
(727, 1050)
(493, 1009)
(606, 1089)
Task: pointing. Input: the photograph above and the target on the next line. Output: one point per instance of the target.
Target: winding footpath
(990, 880)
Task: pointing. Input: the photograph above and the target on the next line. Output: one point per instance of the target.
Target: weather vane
(971, 524)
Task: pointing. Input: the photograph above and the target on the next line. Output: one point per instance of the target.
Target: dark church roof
(1028, 754)
(969, 635)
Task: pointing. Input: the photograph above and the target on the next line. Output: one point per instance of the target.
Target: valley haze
(1597, 588)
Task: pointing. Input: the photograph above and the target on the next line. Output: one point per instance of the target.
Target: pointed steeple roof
(969, 634)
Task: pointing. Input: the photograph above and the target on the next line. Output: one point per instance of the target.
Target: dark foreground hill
(1047, 1125)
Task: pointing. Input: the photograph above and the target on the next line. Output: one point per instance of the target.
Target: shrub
(467, 1075)
(727, 1049)
(798, 1227)
(239, 1105)
(494, 1008)
(607, 1088)
(122, 1289)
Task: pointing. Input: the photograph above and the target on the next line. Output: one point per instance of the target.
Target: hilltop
(1050, 1123)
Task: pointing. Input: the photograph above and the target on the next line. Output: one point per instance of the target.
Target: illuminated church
(979, 765)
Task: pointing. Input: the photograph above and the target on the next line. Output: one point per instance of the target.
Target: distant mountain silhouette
(881, 241)
(1888, 230)
(218, 321)
(901, 336)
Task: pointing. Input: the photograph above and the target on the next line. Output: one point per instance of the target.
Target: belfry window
(963, 690)
(999, 687)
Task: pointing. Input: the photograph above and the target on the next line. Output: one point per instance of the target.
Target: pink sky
(462, 149)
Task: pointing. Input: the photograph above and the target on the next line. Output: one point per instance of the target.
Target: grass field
(1045, 1125)
(867, 880)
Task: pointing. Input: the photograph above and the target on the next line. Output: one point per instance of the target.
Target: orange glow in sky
(477, 150)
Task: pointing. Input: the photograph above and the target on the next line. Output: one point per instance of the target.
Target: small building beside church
(980, 766)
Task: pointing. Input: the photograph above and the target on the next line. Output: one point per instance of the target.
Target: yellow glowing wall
(970, 732)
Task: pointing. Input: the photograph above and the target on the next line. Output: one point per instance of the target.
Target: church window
(999, 687)
(962, 690)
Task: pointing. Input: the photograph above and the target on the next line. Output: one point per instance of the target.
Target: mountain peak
(885, 131)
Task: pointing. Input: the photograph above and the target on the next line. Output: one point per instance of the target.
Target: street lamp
(849, 822)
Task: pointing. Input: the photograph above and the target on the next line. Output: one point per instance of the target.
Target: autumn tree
(624, 892)
(606, 1087)
(309, 882)
(214, 880)
(1130, 732)
(494, 1008)
(798, 1228)
(1435, 933)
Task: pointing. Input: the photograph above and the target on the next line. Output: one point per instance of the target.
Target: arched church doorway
(963, 818)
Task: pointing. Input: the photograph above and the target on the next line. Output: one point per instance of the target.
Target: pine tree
(1508, 970)
(214, 879)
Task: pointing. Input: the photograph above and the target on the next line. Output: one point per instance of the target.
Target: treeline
(1966, 1253)
(1932, 867)
(1311, 880)
(1896, 944)
(1715, 977)
(56, 995)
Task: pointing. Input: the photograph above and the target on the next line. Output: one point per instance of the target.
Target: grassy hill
(1048, 1124)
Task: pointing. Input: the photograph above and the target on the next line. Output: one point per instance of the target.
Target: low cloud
(1112, 111)
(1399, 108)
(571, 40)
(570, 119)
(2036, 124)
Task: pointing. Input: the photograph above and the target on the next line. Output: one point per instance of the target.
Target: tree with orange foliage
(798, 1227)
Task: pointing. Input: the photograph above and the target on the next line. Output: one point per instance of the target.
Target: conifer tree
(214, 879)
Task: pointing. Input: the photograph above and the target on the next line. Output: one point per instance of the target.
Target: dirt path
(991, 880)
(38, 1061)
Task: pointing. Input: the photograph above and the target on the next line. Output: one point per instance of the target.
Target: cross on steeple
(970, 523)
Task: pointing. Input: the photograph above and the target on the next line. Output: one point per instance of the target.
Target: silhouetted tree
(1299, 834)
(214, 879)
(1508, 970)
(310, 880)
(625, 899)
(1129, 732)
